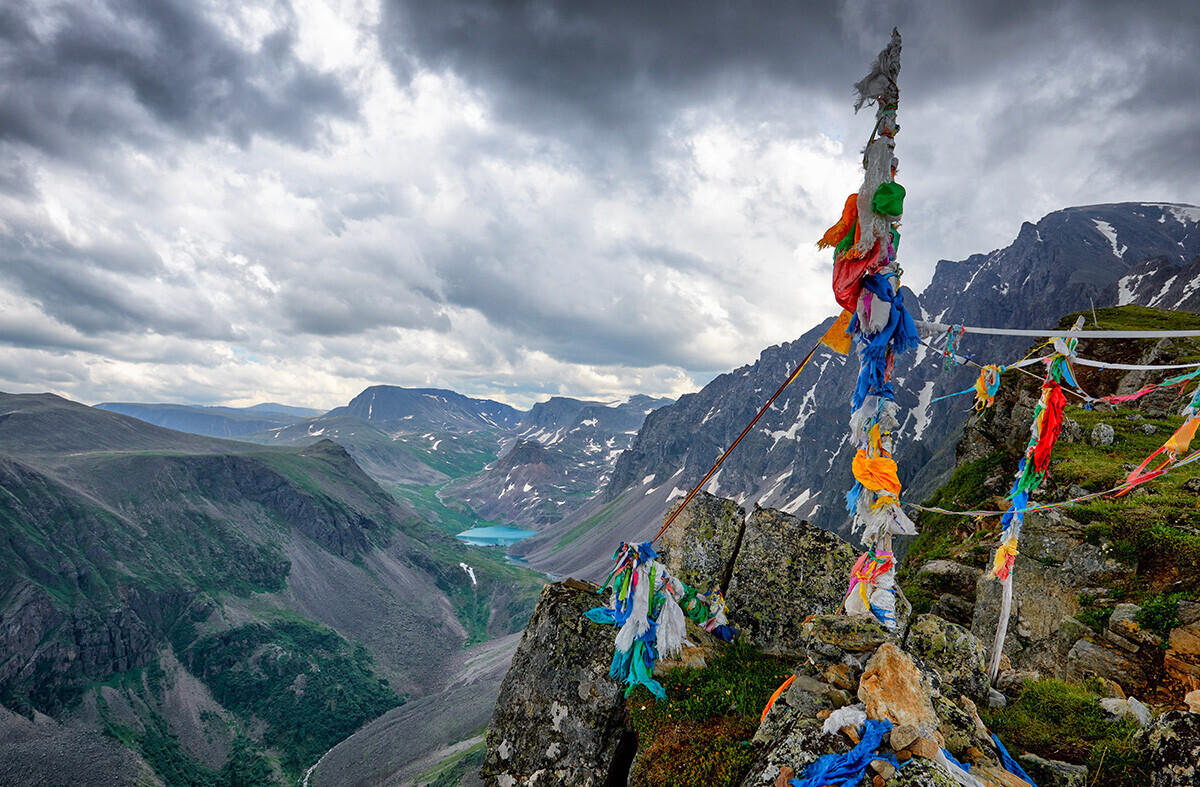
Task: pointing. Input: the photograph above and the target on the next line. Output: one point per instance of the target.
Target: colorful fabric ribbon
(987, 386)
(846, 770)
(876, 472)
(650, 607)
(846, 225)
(1006, 556)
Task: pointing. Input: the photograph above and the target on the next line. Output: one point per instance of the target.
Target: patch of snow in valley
(1108, 232)
(647, 479)
(1126, 287)
(1188, 289)
(589, 422)
(924, 401)
(792, 505)
(1163, 292)
(785, 475)
(527, 487)
(1185, 215)
(676, 492)
(714, 482)
(470, 572)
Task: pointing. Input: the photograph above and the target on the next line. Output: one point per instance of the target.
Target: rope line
(1046, 506)
(729, 450)
(935, 327)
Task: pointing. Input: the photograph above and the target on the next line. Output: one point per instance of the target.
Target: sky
(215, 202)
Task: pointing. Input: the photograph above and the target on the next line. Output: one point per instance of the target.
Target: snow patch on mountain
(1109, 233)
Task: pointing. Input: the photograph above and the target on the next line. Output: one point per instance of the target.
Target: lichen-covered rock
(1088, 565)
(701, 543)
(954, 609)
(1053, 773)
(1172, 743)
(785, 571)
(850, 633)
(963, 730)
(1102, 434)
(1123, 624)
(1042, 598)
(1049, 656)
(560, 718)
(1088, 658)
(799, 741)
(953, 652)
(947, 576)
(893, 688)
(919, 772)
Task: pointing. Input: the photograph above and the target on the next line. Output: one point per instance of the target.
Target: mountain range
(798, 458)
(223, 609)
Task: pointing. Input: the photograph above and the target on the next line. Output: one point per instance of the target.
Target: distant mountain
(221, 608)
(412, 436)
(564, 454)
(212, 421)
(463, 461)
(429, 408)
(797, 458)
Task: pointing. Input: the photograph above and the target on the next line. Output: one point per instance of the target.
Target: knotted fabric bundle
(898, 335)
(888, 199)
(848, 272)
(878, 473)
(987, 386)
(646, 606)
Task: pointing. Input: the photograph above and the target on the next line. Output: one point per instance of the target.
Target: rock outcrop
(786, 570)
(560, 718)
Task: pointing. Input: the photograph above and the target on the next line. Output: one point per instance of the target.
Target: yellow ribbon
(1004, 552)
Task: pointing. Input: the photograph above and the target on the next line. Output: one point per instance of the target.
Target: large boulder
(785, 571)
(1173, 745)
(953, 653)
(560, 718)
(1090, 658)
(1042, 599)
(893, 688)
(700, 545)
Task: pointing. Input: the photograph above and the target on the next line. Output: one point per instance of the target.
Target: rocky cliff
(1098, 684)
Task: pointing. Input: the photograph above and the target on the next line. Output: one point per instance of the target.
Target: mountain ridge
(797, 458)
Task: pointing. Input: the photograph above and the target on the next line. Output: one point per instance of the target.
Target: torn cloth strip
(646, 608)
(1011, 765)
(845, 770)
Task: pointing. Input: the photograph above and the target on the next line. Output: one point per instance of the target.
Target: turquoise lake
(495, 536)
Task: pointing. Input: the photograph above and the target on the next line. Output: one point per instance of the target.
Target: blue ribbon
(1011, 765)
(846, 770)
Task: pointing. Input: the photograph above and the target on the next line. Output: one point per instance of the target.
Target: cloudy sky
(222, 202)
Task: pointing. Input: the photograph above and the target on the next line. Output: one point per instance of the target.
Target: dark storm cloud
(94, 293)
(614, 73)
(612, 68)
(77, 75)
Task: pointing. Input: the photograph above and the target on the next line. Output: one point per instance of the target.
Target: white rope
(1133, 367)
(934, 327)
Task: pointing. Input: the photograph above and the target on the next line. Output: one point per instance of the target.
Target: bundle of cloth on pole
(651, 607)
(866, 283)
(1031, 472)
